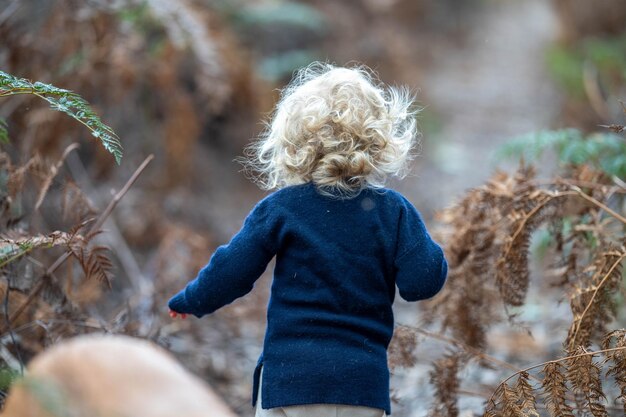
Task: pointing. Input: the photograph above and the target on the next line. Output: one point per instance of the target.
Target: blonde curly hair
(337, 127)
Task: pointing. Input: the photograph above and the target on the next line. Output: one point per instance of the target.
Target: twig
(599, 204)
(61, 259)
(53, 173)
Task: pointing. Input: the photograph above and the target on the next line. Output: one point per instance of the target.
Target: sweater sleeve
(233, 268)
(421, 268)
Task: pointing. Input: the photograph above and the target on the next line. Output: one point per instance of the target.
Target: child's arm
(233, 268)
(421, 268)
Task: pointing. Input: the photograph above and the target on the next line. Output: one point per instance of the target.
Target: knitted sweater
(329, 317)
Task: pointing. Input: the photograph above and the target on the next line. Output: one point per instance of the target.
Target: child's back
(330, 318)
(342, 243)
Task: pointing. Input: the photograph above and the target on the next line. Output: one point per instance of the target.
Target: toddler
(342, 242)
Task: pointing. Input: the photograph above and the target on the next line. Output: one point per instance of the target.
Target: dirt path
(491, 89)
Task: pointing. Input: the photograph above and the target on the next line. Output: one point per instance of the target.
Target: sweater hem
(275, 404)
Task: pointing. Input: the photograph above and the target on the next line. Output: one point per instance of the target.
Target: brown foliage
(488, 250)
(617, 369)
(584, 375)
(554, 388)
(174, 76)
(524, 392)
(592, 302)
(38, 307)
(401, 351)
(444, 376)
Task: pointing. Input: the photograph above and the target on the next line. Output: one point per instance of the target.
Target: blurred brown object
(582, 18)
(105, 375)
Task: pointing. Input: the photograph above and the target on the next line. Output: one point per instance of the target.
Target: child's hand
(173, 315)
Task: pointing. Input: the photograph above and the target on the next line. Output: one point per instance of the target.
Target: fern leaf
(67, 102)
(592, 304)
(401, 351)
(97, 265)
(444, 376)
(529, 210)
(93, 260)
(554, 388)
(524, 392)
(618, 359)
(584, 375)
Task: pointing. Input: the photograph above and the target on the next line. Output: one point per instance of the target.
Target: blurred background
(191, 81)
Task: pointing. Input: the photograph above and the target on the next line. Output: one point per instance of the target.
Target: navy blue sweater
(329, 318)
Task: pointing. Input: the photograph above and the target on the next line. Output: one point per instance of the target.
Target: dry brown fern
(38, 307)
(467, 302)
(554, 387)
(511, 402)
(584, 375)
(488, 248)
(530, 208)
(525, 395)
(617, 358)
(401, 351)
(593, 304)
(444, 377)
(572, 383)
(94, 261)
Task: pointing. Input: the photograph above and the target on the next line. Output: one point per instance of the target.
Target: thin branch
(599, 204)
(55, 169)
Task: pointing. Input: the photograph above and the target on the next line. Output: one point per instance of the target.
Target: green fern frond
(603, 151)
(66, 102)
